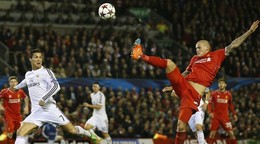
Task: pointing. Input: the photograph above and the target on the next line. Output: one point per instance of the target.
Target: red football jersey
(12, 101)
(204, 69)
(221, 102)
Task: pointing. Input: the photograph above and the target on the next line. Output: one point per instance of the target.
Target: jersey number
(62, 117)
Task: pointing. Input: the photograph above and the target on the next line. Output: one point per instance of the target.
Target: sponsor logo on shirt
(219, 100)
(14, 101)
(33, 84)
(203, 60)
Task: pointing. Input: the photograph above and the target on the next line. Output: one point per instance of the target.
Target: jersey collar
(38, 69)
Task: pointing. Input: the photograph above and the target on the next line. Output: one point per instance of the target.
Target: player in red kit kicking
(191, 84)
(220, 102)
(11, 107)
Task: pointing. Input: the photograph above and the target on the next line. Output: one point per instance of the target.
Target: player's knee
(212, 134)
(26, 129)
(181, 126)
(199, 127)
(170, 66)
(74, 131)
(9, 135)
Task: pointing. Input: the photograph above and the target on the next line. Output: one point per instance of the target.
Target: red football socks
(180, 137)
(233, 141)
(155, 61)
(211, 140)
(10, 141)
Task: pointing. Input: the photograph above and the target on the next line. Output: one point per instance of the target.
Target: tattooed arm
(238, 41)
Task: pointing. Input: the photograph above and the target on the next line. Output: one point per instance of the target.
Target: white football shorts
(51, 114)
(196, 118)
(98, 122)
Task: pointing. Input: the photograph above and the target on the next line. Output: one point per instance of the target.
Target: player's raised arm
(238, 41)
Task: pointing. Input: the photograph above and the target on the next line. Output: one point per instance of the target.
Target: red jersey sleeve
(220, 54)
(2, 93)
(190, 64)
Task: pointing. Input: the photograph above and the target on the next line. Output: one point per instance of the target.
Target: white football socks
(200, 137)
(83, 131)
(21, 140)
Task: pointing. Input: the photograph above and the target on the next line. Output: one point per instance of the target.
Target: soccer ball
(107, 11)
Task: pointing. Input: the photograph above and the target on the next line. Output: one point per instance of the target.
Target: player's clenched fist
(41, 103)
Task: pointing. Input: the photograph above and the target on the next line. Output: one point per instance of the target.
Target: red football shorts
(185, 114)
(12, 123)
(216, 122)
(189, 97)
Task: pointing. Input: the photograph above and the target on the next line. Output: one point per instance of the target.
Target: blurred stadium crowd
(135, 114)
(104, 51)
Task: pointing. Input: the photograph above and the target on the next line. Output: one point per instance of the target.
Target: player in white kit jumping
(196, 120)
(42, 86)
(99, 118)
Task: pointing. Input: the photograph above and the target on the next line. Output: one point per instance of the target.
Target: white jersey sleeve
(21, 84)
(53, 83)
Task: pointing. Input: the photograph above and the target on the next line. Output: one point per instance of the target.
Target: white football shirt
(99, 99)
(201, 105)
(42, 85)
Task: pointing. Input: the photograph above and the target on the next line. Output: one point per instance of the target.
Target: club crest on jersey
(10, 96)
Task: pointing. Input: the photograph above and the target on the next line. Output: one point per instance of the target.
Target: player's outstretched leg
(91, 134)
(137, 53)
